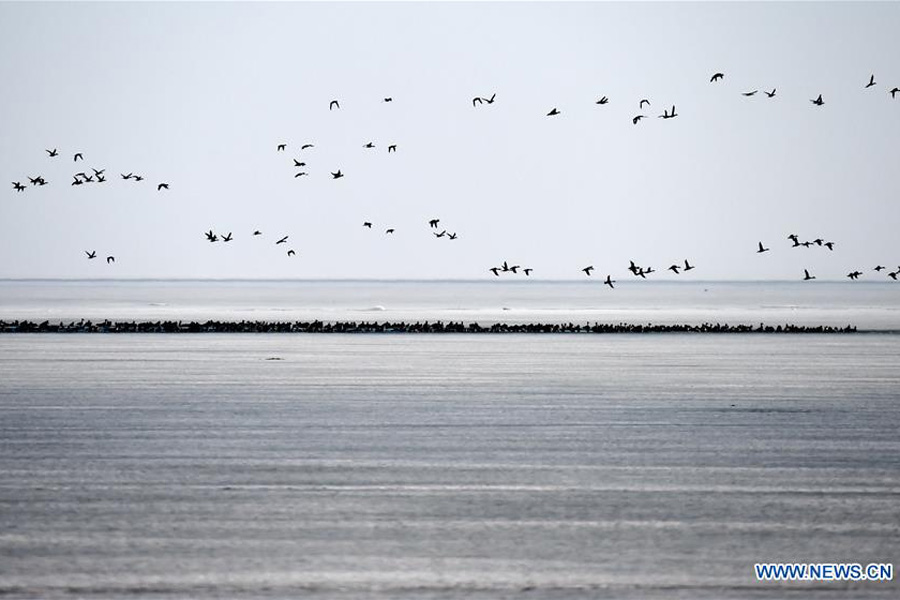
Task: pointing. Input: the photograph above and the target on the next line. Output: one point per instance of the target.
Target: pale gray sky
(198, 95)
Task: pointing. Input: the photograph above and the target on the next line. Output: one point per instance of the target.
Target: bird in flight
(807, 276)
(291, 252)
(818, 101)
(124, 176)
(18, 186)
(138, 178)
(588, 270)
(609, 281)
(854, 275)
(388, 100)
(337, 175)
(667, 115)
(305, 146)
(53, 152)
(830, 245)
(257, 232)
(333, 104)
(527, 271)
(748, 94)
(92, 254)
(868, 85)
(441, 234)
(389, 230)
(210, 236)
(674, 268)
(282, 240)
(879, 268)
(226, 238)
(281, 147)
(893, 92)
(761, 249)
(300, 174)
(392, 148)
(603, 100)
(716, 77)
(688, 266)
(476, 100)
(434, 223)
(452, 236)
(641, 105)
(553, 113)
(297, 163)
(367, 224)
(369, 145)
(495, 271)
(770, 94)
(110, 259)
(162, 186)
(635, 120)
(77, 156)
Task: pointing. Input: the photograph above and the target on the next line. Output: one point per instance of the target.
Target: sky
(199, 95)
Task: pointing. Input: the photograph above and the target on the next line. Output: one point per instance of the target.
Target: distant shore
(317, 326)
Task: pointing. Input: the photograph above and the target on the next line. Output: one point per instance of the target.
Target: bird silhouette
(392, 148)
(748, 94)
(18, 186)
(641, 104)
(879, 268)
(491, 99)
(138, 178)
(688, 266)
(226, 238)
(893, 274)
(369, 145)
(761, 249)
(282, 240)
(495, 271)
(257, 232)
(504, 267)
(476, 100)
(337, 175)
(367, 224)
(291, 252)
(893, 95)
(871, 82)
(162, 186)
(716, 77)
(635, 120)
(98, 173)
(854, 275)
(441, 234)
(674, 268)
(588, 270)
(830, 245)
(434, 223)
(514, 268)
(281, 147)
(818, 101)
(333, 104)
(807, 276)
(603, 100)
(297, 163)
(770, 94)
(452, 236)
(388, 100)
(527, 271)
(129, 176)
(77, 182)
(53, 152)
(110, 259)
(210, 236)
(92, 254)
(553, 113)
(77, 156)
(300, 174)
(390, 230)
(305, 146)
(609, 281)
(667, 115)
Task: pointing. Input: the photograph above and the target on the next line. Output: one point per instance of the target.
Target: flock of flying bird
(98, 176)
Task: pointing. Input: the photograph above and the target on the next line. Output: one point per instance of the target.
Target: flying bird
(337, 175)
(603, 100)
(635, 120)
(210, 236)
(92, 254)
(226, 238)
(807, 276)
(53, 152)
(333, 104)
(18, 186)
(162, 186)
(305, 146)
(388, 100)
(452, 236)
(475, 100)
(893, 274)
(77, 156)
(369, 145)
(367, 224)
(300, 174)
(871, 82)
(553, 113)
(297, 163)
(124, 176)
(770, 94)
(761, 249)
(434, 222)
(641, 105)
(441, 234)
(495, 271)
(138, 178)
(716, 77)
(667, 115)
(748, 94)
(818, 101)
(527, 271)
(830, 245)
(110, 259)
(390, 230)
(257, 232)
(893, 92)
(854, 275)
(688, 266)
(291, 253)
(610, 281)
(282, 240)
(392, 148)
(281, 147)
(588, 270)
(674, 268)
(878, 268)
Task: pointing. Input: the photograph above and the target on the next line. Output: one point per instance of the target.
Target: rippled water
(444, 466)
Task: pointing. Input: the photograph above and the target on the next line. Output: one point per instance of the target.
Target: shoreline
(317, 326)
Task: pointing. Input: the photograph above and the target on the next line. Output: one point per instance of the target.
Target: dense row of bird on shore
(98, 176)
